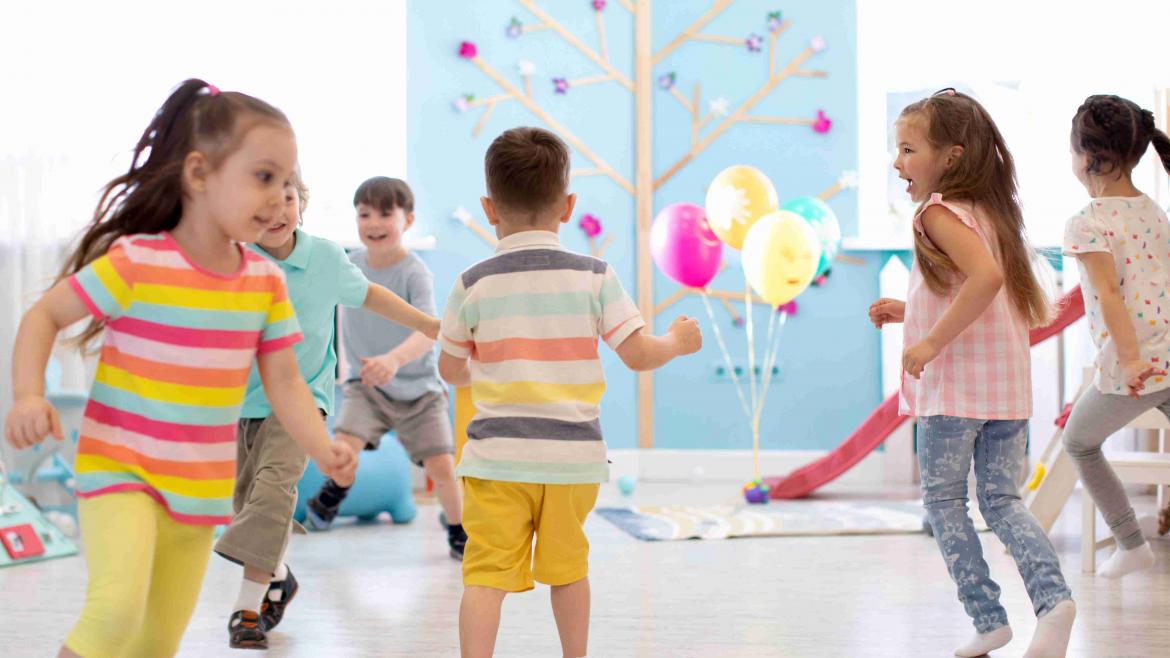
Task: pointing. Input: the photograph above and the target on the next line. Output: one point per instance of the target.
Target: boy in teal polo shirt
(320, 276)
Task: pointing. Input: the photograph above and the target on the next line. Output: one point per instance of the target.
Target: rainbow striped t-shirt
(178, 346)
(530, 319)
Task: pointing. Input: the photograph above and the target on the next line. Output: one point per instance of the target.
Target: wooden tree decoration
(705, 126)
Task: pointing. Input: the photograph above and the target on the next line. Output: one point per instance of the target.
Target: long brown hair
(984, 174)
(1114, 133)
(148, 198)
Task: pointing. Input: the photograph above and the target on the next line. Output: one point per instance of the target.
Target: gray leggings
(1095, 417)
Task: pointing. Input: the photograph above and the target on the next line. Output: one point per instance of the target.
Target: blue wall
(829, 356)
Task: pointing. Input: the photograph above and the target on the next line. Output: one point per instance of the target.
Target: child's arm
(379, 370)
(32, 417)
(982, 283)
(385, 303)
(453, 370)
(643, 351)
(887, 311)
(1103, 275)
(296, 409)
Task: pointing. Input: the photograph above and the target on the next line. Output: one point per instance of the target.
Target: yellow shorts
(501, 518)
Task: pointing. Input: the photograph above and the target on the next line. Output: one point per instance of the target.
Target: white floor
(393, 591)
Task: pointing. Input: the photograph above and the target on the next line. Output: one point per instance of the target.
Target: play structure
(885, 419)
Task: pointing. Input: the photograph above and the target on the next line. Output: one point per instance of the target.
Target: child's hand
(432, 330)
(342, 463)
(886, 310)
(1136, 372)
(686, 334)
(31, 418)
(915, 357)
(379, 370)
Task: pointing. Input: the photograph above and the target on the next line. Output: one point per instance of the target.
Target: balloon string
(751, 342)
(774, 351)
(726, 355)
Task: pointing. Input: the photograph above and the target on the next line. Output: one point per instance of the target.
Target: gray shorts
(423, 425)
(268, 466)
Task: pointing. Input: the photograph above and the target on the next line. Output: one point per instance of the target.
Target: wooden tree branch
(533, 27)
(490, 100)
(627, 4)
(548, 20)
(552, 123)
(772, 47)
(602, 46)
(695, 116)
(714, 38)
(574, 173)
(482, 120)
(717, 8)
(678, 96)
(811, 74)
(591, 80)
(463, 217)
(784, 121)
(793, 65)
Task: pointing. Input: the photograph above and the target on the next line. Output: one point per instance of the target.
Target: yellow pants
(145, 571)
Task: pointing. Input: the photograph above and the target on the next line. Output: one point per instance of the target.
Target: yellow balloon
(780, 256)
(737, 197)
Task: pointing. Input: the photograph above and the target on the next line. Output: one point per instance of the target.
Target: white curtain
(41, 209)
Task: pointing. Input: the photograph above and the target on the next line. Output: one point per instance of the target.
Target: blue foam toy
(383, 485)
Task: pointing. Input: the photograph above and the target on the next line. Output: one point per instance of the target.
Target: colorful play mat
(778, 519)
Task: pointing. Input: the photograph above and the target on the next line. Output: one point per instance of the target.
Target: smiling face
(280, 233)
(918, 162)
(245, 193)
(381, 230)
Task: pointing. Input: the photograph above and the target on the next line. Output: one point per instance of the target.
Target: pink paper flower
(754, 43)
(774, 21)
(598, 5)
(822, 124)
(667, 80)
(515, 28)
(789, 308)
(591, 225)
(467, 50)
(560, 85)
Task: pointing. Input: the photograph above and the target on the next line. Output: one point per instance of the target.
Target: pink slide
(885, 419)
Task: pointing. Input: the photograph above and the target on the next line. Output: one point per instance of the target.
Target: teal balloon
(824, 223)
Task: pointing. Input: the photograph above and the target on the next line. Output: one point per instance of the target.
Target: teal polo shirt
(319, 276)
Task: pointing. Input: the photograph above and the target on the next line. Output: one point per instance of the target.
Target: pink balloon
(683, 245)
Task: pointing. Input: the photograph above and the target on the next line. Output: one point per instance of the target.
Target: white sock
(1052, 630)
(251, 595)
(985, 642)
(1123, 561)
(281, 573)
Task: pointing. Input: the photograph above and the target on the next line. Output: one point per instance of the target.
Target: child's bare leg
(570, 604)
(479, 621)
(441, 470)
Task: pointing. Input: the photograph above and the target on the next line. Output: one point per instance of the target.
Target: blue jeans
(945, 447)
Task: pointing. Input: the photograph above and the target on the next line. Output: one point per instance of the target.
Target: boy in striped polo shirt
(522, 328)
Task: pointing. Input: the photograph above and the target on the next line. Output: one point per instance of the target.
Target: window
(79, 88)
(1030, 64)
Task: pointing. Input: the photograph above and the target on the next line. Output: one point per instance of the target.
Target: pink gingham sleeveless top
(985, 372)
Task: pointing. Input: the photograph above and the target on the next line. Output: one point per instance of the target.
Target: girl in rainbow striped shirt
(185, 311)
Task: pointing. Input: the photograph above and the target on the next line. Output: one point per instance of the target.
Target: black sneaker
(279, 595)
(244, 631)
(319, 518)
(457, 540)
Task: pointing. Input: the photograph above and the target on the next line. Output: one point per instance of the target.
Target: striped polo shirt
(530, 318)
(179, 343)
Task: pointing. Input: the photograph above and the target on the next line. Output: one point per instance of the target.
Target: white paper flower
(461, 215)
(817, 44)
(719, 106)
(727, 205)
(526, 67)
(848, 179)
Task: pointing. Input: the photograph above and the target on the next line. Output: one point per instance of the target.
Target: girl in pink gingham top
(966, 369)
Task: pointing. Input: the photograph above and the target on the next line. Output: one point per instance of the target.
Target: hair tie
(212, 90)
